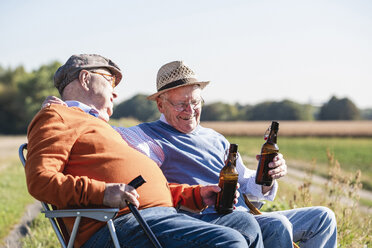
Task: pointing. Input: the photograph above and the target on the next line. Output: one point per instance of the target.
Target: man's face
(101, 92)
(181, 107)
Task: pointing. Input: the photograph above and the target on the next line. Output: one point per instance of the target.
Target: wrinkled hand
(117, 193)
(278, 167)
(278, 170)
(209, 193)
(52, 100)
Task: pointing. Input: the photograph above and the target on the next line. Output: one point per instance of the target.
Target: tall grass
(13, 196)
(41, 234)
(353, 228)
(341, 194)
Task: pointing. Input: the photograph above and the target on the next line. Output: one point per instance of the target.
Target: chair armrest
(102, 214)
(255, 201)
(258, 204)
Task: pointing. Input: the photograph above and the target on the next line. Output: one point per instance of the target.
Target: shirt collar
(162, 118)
(83, 107)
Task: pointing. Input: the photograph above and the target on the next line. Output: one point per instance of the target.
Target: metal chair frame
(67, 240)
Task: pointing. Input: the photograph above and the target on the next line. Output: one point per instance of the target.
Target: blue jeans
(241, 221)
(311, 227)
(172, 230)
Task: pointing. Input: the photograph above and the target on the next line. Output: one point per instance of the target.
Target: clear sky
(250, 50)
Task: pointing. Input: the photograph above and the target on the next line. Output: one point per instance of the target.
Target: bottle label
(263, 177)
(225, 198)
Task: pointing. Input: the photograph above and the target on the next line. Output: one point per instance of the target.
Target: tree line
(140, 108)
(22, 92)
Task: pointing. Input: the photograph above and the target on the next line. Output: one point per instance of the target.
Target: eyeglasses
(111, 78)
(179, 107)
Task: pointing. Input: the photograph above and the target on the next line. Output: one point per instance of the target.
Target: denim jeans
(241, 221)
(172, 229)
(311, 227)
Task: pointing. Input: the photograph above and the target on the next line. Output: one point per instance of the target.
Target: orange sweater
(71, 155)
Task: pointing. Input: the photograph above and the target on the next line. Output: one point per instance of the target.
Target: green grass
(353, 226)
(366, 202)
(352, 153)
(13, 196)
(41, 234)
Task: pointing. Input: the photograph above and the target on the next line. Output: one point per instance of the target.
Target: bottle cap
(233, 148)
(275, 125)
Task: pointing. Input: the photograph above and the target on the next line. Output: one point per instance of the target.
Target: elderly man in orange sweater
(76, 159)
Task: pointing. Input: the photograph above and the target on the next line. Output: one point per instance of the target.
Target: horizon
(207, 103)
(251, 51)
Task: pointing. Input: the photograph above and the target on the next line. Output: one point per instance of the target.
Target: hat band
(178, 83)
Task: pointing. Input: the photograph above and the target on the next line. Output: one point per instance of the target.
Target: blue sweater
(193, 158)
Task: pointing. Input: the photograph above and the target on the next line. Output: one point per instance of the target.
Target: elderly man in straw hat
(76, 159)
(189, 153)
(186, 152)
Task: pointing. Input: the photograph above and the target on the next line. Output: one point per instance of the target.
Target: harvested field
(9, 145)
(295, 128)
(9, 150)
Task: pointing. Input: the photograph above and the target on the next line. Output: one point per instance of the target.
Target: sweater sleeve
(187, 196)
(50, 141)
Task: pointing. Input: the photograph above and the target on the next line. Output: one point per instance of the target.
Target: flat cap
(71, 69)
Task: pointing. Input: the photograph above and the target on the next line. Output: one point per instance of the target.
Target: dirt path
(9, 145)
(22, 229)
(294, 173)
(296, 177)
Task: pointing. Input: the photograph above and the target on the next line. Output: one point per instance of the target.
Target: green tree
(219, 111)
(283, 110)
(33, 91)
(10, 112)
(339, 109)
(366, 114)
(137, 107)
(244, 111)
(21, 95)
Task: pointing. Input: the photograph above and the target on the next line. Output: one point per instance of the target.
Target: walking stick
(256, 211)
(135, 183)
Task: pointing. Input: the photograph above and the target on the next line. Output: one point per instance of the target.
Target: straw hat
(174, 75)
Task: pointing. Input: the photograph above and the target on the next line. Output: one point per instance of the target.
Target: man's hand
(117, 193)
(209, 193)
(52, 100)
(278, 169)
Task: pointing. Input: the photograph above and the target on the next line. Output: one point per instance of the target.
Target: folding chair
(54, 216)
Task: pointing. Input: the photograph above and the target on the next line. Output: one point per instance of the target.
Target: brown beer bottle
(268, 151)
(227, 183)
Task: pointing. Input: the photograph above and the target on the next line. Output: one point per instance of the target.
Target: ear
(159, 103)
(84, 79)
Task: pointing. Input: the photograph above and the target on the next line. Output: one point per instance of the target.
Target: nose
(114, 94)
(189, 108)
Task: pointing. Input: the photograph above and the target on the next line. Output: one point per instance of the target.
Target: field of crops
(295, 128)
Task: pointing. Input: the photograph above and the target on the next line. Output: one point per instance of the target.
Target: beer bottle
(227, 182)
(268, 151)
